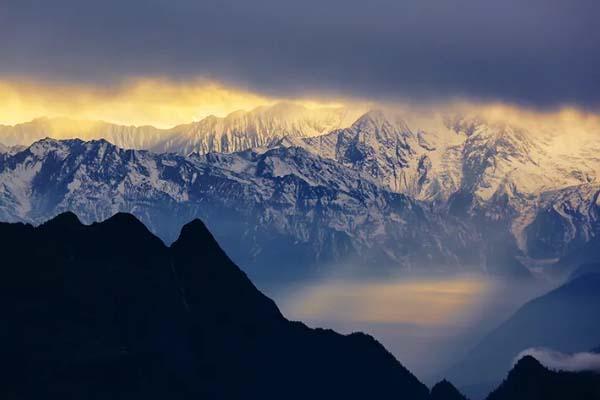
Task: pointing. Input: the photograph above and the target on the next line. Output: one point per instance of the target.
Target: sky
(539, 54)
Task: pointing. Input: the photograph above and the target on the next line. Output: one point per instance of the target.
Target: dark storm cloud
(540, 53)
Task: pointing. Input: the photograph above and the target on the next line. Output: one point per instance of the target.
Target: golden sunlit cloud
(155, 102)
(165, 103)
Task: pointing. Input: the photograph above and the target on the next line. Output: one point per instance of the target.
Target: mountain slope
(108, 311)
(473, 180)
(511, 181)
(530, 380)
(564, 319)
(284, 202)
(383, 146)
(536, 192)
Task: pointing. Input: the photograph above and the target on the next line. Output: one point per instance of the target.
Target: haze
(425, 321)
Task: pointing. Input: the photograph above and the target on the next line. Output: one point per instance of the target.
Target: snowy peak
(238, 131)
(260, 127)
(131, 137)
(376, 121)
(461, 124)
(10, 149)
(379, 189)
(380, 146)
(289, 196)
(493, 152)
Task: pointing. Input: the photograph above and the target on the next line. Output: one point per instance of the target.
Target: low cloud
(556, 360)
(414, 301)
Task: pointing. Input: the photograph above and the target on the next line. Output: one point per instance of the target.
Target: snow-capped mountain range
(237, 131)
(462, 193)
(261, 205)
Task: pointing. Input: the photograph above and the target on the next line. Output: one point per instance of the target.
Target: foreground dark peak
(108, 311)
(66, 219)
(564, 319)
(444, 390)
(530, 380)
(527, 365)
(195, 230)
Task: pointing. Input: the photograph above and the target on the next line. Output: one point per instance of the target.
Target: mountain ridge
(237, 131)
(309, 205)
(489, 179)
(530, 380)
(164, 319)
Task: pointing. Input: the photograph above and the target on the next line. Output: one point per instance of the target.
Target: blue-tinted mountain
(565, 319)
(263, 206)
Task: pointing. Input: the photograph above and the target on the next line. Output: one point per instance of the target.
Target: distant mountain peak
(377, 119)
(527, 363)
(445, 390)
(239, 130)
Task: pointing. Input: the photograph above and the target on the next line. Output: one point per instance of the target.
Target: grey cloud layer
(541, 52)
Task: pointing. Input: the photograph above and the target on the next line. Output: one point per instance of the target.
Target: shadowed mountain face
(530, 380)
(565, 319)
(444, 390)
(284, 203)
(107, 311)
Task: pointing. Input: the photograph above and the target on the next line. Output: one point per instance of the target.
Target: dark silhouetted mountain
(530, 380)
(444, 390)
(107, 311)
(565, 319)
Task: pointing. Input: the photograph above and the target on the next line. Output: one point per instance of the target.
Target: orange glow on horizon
(156, 102)
(165, 103)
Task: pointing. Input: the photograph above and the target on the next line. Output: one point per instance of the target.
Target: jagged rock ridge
(108, 311)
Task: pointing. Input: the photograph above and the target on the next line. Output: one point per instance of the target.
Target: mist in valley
(428, 321)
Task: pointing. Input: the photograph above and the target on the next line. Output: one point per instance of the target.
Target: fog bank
(427, 322)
